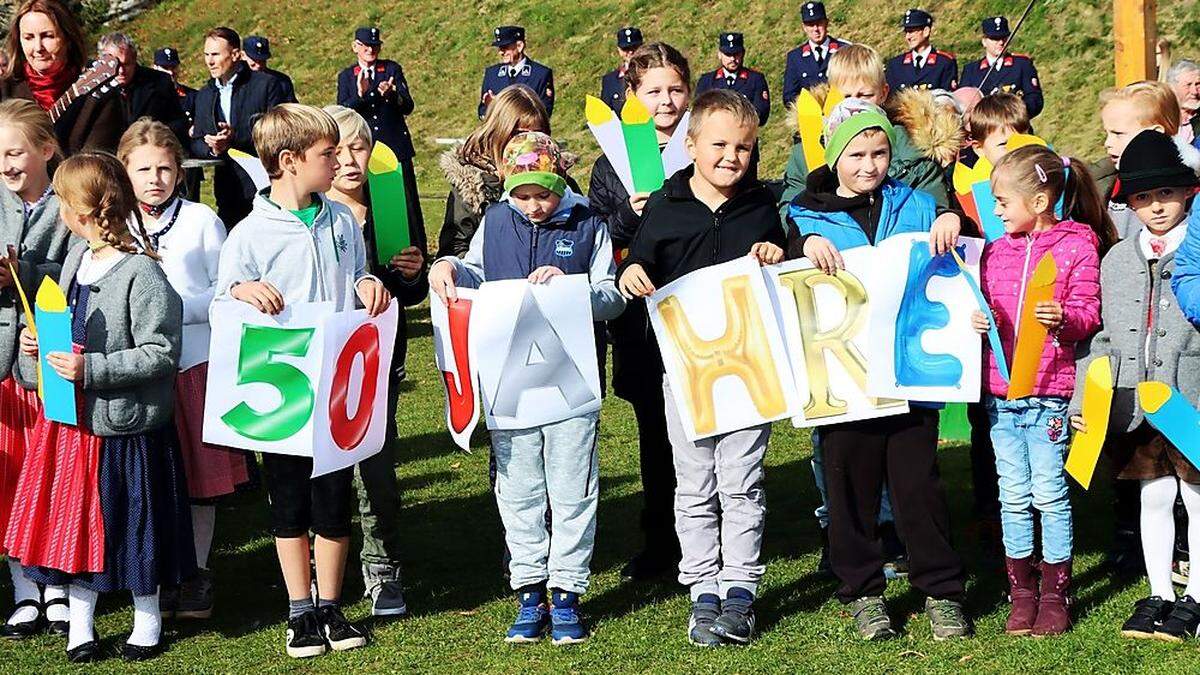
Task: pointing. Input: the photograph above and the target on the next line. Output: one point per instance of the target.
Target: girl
(1028, 434)
(659, 77)
(1160, 345)
(188, 238)
(114, 484)
(46, 50)
(405, 277)
(34, 242)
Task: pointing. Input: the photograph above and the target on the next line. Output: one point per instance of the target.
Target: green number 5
(256, 364)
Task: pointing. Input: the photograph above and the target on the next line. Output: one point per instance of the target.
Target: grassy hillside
(444, 47)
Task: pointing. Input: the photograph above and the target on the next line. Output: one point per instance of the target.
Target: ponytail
(1082, 203)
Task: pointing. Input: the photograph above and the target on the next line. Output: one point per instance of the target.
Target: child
(852, 202)
(1027, 434)
(34, 241)
(556, 461)
(706, 214)
(188, 238)
(1159, 188)
(405, 277)
(297, 246)
(113, 486)
(659, 77)
(992, 121)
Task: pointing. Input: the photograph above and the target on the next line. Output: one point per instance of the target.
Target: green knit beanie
(847, 120)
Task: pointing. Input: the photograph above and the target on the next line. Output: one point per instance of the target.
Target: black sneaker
(705, 610)
(340, 633)
(1182, 623)
(1148, 615)
(304, 638)
(736, 623)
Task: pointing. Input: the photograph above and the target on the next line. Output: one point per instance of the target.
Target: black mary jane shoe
(88, 652)
(58, 628)
(25, 629)
(140, 653)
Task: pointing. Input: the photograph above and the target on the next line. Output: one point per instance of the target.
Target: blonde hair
(856, 63)
(350, 124)
(1154, 102)
(513, 110)
(147, 131)
(94, 184)
(294, 127)
(725, 100)
(1000, 110)
(32, 122)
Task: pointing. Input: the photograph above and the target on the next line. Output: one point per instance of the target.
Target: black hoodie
(680, 234)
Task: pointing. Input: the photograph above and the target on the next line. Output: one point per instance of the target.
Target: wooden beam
(1135, 33)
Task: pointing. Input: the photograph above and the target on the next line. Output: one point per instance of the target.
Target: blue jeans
(1030, 439)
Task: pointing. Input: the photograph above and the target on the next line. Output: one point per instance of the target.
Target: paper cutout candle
(1173, 416)
(1031, 334)
(809, 124)
(629, 145)
(54, 335)
(389, 203)
(1097, 403)
(252, 166)
(641, 143)
(832, 97)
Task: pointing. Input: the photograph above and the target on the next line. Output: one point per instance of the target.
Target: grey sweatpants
(720, 506)
(556, 462)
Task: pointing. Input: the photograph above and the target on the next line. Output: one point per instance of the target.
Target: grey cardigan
(41, 242)
(1128, 282)
(134, 328)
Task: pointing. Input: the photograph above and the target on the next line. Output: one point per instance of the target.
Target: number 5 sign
(309, 381)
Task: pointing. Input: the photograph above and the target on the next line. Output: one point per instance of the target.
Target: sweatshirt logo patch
(564, 248)
(340, 242)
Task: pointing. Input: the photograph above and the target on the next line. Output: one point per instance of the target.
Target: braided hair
(95, 184)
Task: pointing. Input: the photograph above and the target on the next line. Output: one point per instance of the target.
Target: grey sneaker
(705, 611)
(196, 597)
(871, 618)
(383, 587)
(947, 620)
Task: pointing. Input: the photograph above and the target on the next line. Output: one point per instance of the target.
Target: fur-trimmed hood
(935, 129)
(477, 186)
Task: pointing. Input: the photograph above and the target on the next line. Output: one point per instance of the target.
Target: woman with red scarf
(45, 51)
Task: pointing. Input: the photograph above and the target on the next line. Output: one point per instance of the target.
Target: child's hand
(822, 253)
(1049, 313)
(260, 294)
(544, 273)
(408, 262)
(943, 235)
(1078, 424)
(29, 342)
(766, 253)
(441, 280)
(68, 366)
(634, 282)
(637, 202)
(374, 296)
(6, 274)
(979, 322)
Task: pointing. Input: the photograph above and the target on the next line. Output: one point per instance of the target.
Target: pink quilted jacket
(1007, 266)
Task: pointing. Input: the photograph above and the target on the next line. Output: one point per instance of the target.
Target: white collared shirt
(225, 98)
(1171, 240)
(516, 68)
(923, 55)
(824, 46)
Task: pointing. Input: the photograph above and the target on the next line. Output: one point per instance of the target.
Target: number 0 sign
(309, 381)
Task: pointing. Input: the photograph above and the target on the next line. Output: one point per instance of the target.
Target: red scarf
(47, 88)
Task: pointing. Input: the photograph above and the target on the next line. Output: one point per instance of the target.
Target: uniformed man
(515, 68)
(376, 89)
(922, 66)
(612, 87)
(166, 59)
(731, 54)
(256, 50)
(1000, 70)
(807, 63)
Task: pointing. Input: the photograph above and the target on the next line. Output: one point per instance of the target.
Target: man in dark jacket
(146, 92)
(226, 108)
(166, 60)
(256, 50)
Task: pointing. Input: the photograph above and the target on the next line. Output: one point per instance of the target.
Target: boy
(994, 120)
(855, 203)
(542, 230)
(857, 72)
(705, 215)
(297, 246)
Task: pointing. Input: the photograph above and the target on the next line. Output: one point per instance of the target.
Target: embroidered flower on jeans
(1054, 429)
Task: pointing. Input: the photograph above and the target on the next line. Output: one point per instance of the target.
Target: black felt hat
(1152, 161)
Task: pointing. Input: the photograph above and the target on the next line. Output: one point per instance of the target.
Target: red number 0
(348, 432)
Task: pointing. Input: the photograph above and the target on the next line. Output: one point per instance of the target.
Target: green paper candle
(641, 142)
(389, 203)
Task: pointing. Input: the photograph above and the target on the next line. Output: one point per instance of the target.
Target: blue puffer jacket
(1186, 280)
(901, 210)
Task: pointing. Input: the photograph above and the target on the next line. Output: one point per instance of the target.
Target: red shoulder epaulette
(949, 55)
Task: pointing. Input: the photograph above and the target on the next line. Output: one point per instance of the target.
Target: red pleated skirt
(212, 470)
(19, 410)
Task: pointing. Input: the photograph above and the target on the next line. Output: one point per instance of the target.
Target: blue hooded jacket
(901, 210)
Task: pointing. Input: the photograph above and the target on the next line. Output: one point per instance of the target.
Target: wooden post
(1134, 36)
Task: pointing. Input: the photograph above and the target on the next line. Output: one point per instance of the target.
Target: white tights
(1158, 532)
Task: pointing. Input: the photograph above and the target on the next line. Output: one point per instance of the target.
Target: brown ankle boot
(1023, 593)
(1053, 616)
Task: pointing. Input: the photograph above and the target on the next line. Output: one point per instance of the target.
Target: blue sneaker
(531, 620)
(736, 623)
(566, 628)
(705, 611)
